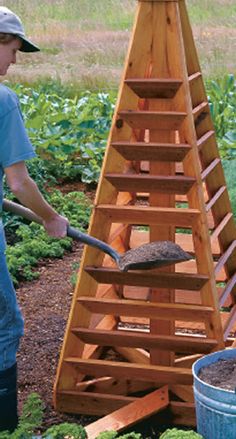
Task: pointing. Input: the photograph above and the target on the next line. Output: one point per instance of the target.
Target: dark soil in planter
(221, 374)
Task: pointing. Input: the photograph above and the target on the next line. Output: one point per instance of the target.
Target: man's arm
(27, 192)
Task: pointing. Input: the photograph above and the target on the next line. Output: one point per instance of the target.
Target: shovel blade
(153, 255)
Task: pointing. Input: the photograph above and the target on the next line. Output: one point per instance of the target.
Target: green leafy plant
(75, 268)
(65, 430)
(32, 413)
(229, 167)
(31, 419)
(107, 435)
(175, 433)
(69, 134)
(33, 243)
(222, 101)
(114, 434)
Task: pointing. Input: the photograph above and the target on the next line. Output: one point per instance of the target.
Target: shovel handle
(18, 209)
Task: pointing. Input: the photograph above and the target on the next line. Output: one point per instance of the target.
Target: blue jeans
(11, 320)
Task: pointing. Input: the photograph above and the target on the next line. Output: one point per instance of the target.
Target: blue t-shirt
(15, 145)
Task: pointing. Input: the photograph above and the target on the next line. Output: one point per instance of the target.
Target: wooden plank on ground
(131, 413)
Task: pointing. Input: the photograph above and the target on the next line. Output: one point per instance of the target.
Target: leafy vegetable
(69, 134)
(175, 433)
(222, 101)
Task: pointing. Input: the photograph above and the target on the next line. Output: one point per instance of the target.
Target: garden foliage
(222, 100)
(69, 134)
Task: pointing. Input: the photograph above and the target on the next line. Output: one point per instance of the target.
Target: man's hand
(56, 226)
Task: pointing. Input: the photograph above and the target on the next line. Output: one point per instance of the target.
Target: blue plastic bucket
(215, 407)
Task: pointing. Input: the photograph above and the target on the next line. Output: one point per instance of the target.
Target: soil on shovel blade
(151, 255)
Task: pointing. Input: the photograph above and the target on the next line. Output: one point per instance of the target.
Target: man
(15, 148)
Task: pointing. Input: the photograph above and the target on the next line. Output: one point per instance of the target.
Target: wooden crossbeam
(97, 404)
(142, 372)
(212, 167)
(158, 279)
(129, 338)
(152, 119)
(225, 256)
(161, 184)
(227, 290)
(221, 226)
(119, 386)
(199, 110)
(230, 322)
(216, 198)
(153, 88)
(152, 151)
(149, 215)
(205, 138)
(194, 77)
(138, 308)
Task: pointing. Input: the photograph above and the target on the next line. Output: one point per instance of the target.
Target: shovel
(152, 255)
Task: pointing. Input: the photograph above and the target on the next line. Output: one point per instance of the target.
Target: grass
(84, 42)
(222, 12)
(88, 15)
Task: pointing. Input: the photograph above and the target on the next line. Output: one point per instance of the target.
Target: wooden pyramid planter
(162, 179)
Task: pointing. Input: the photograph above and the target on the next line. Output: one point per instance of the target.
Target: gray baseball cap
(10, 23)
